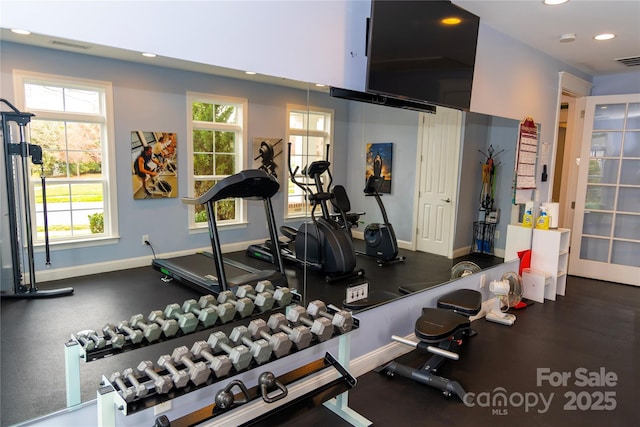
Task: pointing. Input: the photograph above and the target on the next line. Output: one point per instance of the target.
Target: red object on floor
(525, 260)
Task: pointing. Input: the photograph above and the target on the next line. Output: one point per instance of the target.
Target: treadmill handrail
(246, 184)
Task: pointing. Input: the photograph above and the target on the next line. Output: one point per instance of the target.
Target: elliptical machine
(320, 244)
(380, 239)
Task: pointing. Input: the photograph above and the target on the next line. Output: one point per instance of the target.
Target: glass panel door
(606, 237)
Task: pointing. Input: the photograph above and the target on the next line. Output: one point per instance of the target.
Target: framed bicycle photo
(154, 165)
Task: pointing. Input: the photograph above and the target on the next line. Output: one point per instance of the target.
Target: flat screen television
(412, 53)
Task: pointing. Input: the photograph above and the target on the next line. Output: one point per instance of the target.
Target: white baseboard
(402, 244)
(466, 250)
(123, 264)
(385, 354)
(457, 253)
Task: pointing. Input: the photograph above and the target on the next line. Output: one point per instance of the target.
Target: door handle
(448, 200)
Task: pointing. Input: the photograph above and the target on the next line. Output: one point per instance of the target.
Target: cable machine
(16, 163)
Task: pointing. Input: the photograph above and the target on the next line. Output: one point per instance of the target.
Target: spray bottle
(527, 219)
(543, 220)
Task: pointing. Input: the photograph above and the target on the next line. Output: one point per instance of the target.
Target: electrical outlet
(145, 239)
(497, 234)
(357, 292)
(162, 407)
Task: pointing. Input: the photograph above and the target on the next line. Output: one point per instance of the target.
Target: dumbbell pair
(207, 311)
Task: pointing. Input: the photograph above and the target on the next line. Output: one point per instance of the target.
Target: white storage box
(534, 284)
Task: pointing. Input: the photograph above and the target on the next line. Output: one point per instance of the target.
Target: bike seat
(467, 302)
(436, 325)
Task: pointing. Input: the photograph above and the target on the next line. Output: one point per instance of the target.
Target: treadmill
(195, 270)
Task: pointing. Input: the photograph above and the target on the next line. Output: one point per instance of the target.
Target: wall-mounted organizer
(526, 155)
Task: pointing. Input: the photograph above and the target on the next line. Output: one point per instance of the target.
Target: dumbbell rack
(332, 393)
(154, 399)
(75, 353)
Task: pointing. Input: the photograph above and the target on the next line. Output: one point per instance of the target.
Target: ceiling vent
(631, 61)
(58, 43)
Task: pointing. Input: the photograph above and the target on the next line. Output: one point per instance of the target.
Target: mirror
(360, 124)
(355, 124)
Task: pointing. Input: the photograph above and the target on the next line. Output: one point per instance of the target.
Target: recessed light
(19, 31)
(604, 36)
(149, 55)
(320, 85)
(554, 2)
(452, 20)
(251, 73)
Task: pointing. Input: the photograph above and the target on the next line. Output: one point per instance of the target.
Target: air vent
(71, 45)
(631, 61)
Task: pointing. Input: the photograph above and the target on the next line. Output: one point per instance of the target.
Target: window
(73, 125)
(217, 136)
(310, 131)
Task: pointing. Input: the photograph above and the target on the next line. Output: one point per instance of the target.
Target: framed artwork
(379, 158)
(267, 156)
(154, 165)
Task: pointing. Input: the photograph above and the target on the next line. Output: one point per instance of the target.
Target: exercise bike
(380, 239)
(320, 244)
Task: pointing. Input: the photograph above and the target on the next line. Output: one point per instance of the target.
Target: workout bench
(441, 331)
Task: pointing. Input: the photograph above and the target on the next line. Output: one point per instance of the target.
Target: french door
(606, 229)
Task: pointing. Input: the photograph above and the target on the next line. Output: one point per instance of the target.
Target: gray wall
(617, 84)
(481, 131)
(377, 124)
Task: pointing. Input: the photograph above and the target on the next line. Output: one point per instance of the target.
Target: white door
(439, 153)
(606, 235)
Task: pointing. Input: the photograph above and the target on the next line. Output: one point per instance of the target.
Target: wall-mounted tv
(412, 52)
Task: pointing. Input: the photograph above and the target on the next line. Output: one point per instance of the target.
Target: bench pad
(436, 324)
(463, 301)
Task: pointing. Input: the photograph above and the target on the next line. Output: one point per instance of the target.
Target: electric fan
(464, 268)
(515, 288)
(508, 292)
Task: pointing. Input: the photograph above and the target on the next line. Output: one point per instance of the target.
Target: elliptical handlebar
(292, 173)
(314, 171)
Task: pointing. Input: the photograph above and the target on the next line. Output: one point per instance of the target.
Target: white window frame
(327, 135)
(242, 109)
(106, 119)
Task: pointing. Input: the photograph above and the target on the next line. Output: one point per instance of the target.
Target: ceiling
(529, 21)
(74, 46)
(541, 26)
